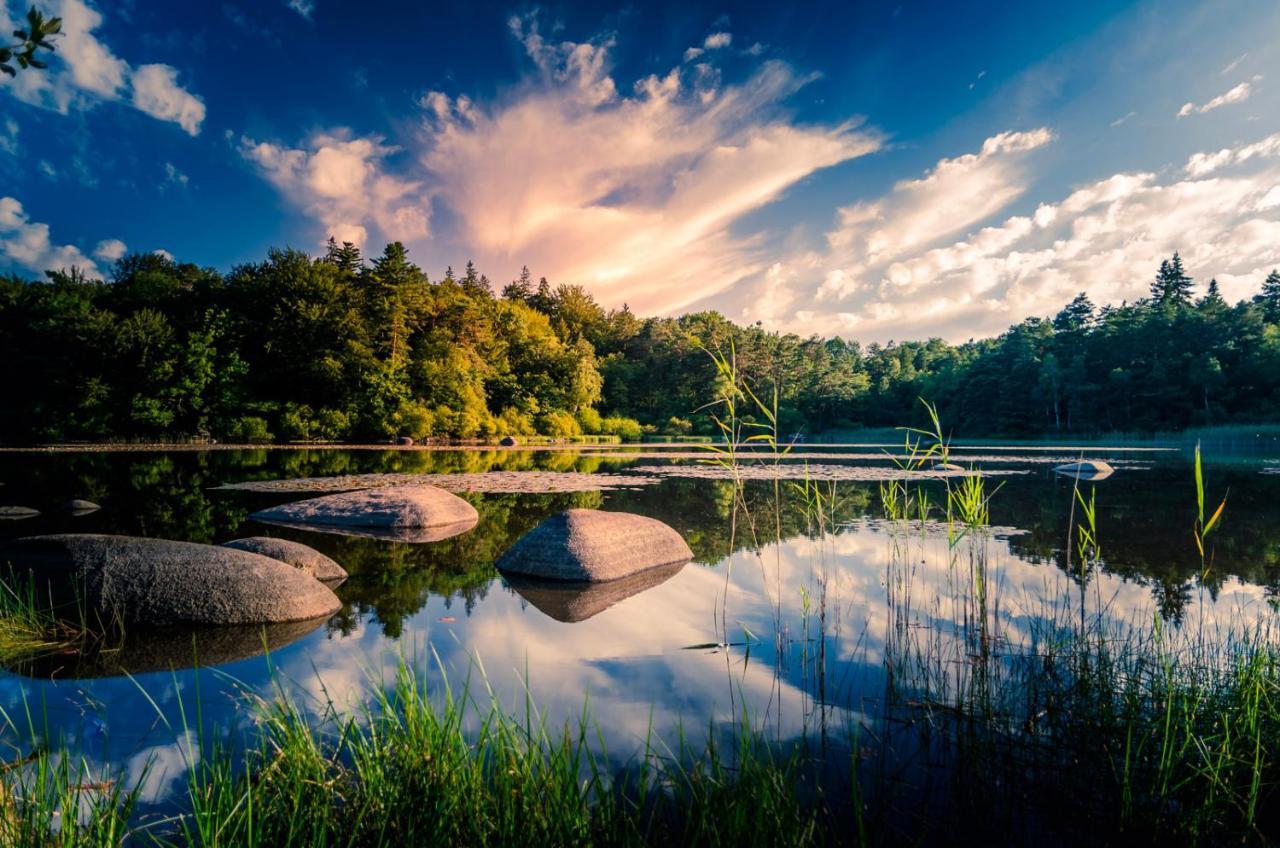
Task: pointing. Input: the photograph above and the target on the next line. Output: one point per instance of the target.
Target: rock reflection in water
(163, 649)
(414, 535)
(574, 602)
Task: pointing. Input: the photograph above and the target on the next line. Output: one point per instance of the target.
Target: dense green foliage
(332, 348)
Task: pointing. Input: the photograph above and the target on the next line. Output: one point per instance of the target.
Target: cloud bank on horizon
(721, 177)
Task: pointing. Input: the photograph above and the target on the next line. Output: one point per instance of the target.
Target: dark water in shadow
(791, 623)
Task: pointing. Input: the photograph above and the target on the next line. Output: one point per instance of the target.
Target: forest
(341, 348)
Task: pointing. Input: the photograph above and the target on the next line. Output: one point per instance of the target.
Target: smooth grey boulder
(13, 513)
(78, 506)
(397, 509)
(298, 555)
(161, 582)
(509, 442)
(147, 649)
(574, 602)
(591, 545)
(1086, 469)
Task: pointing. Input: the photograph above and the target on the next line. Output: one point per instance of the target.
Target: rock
(13, 513)
(1086, 469)
(395, 512)
(509, 442)
(159, 582)
(147, 649)
(947, 466)
(574, 602)
(590, 545)
(79, 507)
(407, 441)
(296, 554)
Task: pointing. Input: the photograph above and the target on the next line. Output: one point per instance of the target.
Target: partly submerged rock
(13, 513)
(160, 582)
(509, 442)
(298, 555)
(947, 466)
(590, 545)
(1086, 469)
(145, 649)
(77, 506)
(406, 441)
(402, 513)
(574, 602)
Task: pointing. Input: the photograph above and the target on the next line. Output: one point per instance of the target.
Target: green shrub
(249, 429)
(590, 421)
(558, 425)
(627, 429)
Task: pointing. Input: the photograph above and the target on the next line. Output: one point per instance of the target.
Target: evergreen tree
(1172, 285)
(347, 257)
(474, 283)
(1213, 298)
(543, 300)
(520, 289)
(1270, 297)
(1075, 316)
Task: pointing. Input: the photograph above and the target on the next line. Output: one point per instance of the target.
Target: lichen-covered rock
(161, 582)
(574, 602)
(392, 511)
(591, 545)
(1086, 469)
(298, 555)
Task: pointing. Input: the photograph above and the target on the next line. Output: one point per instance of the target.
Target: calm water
(792, 624)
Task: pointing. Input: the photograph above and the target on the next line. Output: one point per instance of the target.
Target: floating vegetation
(487, 482)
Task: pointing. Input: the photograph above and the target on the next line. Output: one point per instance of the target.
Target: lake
(801, 618)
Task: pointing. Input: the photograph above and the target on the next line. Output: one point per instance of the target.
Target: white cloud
(339, 179)
(175, 176)
(46, 168)
(163, 254)
(109, 250)
(156, 92)
(306, 8)
(9, 137)
(631, 195)
(717, 40)
(84, 72)
(1105, 237)
(1238, 94)
(26, 244)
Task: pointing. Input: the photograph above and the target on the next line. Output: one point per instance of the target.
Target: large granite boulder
(160, 582)
(408, 513)
(574, 602)
(590, 545)
(1086, 469)
(298, 555)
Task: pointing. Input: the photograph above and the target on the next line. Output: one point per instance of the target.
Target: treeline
(340, 348)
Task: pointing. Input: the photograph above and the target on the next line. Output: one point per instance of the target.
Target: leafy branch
(35, 36)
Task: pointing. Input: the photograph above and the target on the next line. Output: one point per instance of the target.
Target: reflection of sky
(852, 599)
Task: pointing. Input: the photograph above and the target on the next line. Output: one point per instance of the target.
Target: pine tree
(1213, 298)
(543, 300)
(347, 257)
(1270, 297)
(475, 283)
(1172, 285)
(1075, 316)
(521, 289)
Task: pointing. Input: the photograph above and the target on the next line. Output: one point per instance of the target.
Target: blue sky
(871, 170)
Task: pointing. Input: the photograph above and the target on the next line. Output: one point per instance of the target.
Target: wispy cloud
(1238, 94)
(306, 8)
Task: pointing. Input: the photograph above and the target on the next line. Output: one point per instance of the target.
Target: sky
(871, 170)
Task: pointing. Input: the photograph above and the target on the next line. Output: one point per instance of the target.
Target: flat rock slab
(12, 513)
(574, 602)
(591, 545)
(160, 582)
(391, 507)
(300, 556)
(1088, 469)
(79, 506)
